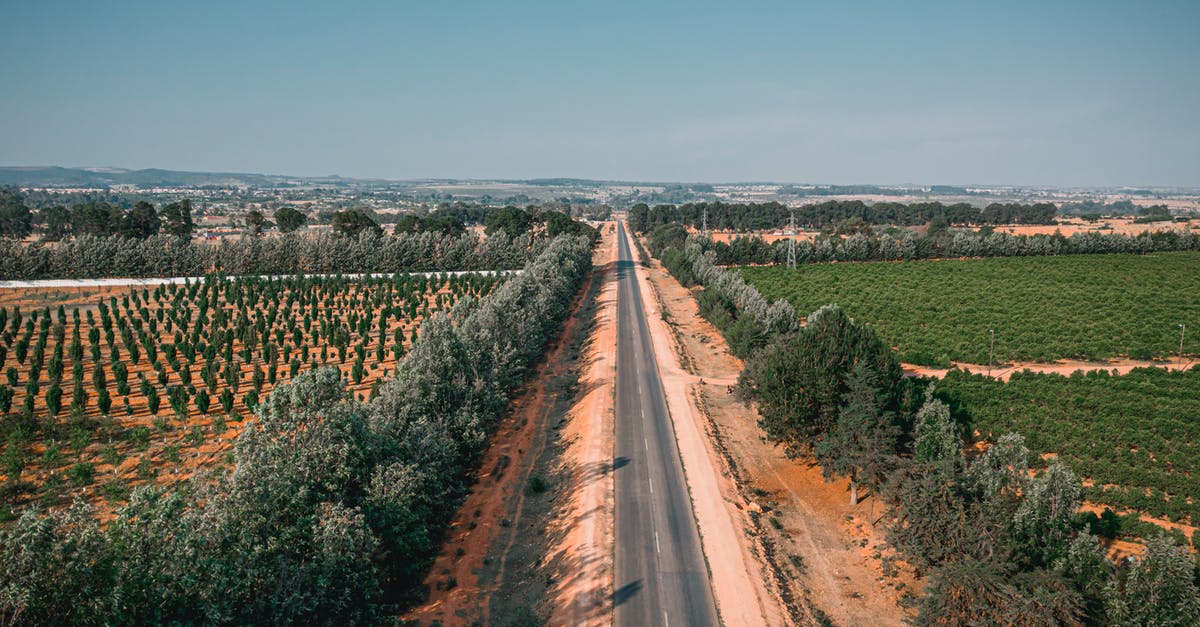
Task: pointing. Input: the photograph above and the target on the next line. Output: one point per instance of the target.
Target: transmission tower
(704, 223)
(791, 232)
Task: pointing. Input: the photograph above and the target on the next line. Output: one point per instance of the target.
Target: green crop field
(1134, 436)
(1042, 308)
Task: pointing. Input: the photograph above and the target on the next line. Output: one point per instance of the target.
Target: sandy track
(817, 553)
(583, 560)
(1064, 367)
(739, 585)
(490, 520)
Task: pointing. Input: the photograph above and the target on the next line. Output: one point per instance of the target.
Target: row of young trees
(335, 506)
(327, 253)
(774, 215)
(1001, 544)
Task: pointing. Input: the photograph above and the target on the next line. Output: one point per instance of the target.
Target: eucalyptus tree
(1159, 589)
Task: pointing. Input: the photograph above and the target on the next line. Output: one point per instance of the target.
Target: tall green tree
(56, 220)
(16, 221)
(512, 220)
(1160, 589)
(255, 221)
(289, 219)
(353, 221)
(1043, 523)
(177, 218)
(862, 443)
(95, 218)
(141, 222)
(800, 379)
(935, 436)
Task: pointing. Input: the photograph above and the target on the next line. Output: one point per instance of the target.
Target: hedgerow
(163, 255)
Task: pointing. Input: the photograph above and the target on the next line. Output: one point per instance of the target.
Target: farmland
(935, 312)
(104, 392)
(1132, 436)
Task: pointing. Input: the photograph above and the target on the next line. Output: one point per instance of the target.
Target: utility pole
(991, 346)
(1182, 328)
(791, 259)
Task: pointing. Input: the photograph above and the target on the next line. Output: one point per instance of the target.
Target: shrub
(81, 474)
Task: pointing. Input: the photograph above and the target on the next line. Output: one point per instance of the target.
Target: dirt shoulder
(817, 556)
(581, 561)
(741, 579)
(495, 565)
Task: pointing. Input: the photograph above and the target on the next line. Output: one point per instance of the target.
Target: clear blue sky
(1053, 93)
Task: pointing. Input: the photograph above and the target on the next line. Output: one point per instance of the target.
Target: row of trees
(774, 215)
(335, 506)
(166, 255)
(1000, 543)
(905, 245)
(101, 218)
(96, 218)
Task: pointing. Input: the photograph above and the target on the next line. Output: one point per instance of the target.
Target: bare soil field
(769, 237)
(1066, 227)
(820, 557)
(1069, 227)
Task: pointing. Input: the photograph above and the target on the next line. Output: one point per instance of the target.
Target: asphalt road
(661, 578)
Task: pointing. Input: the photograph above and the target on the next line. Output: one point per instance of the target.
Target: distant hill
(53, 176)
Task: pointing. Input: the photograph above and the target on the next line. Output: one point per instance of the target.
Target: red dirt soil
(504, 473)
(582, 595)
(1064, 367)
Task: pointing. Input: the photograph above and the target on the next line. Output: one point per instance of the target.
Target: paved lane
(661, 577)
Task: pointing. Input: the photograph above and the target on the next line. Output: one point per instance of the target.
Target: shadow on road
(626, 592)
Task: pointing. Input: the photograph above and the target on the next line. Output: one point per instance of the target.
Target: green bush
(81, 474)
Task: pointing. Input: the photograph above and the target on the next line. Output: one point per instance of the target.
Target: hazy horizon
(1079, 94)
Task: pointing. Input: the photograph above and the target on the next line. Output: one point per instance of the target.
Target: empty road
(661, 578)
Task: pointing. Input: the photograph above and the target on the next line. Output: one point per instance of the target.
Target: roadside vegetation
(335, 505)
(999, 535)
(1041, 308)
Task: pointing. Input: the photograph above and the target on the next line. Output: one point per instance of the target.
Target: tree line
(1001, 541)
(327, 253)
(904, 245)
(95, 218)
(100, 218)
(775, 215)
(335, 507)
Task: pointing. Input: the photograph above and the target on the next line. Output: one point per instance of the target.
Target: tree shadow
(626, 592)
